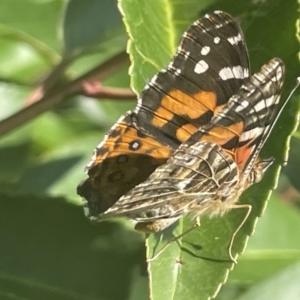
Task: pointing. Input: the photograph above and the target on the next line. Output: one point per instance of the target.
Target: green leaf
(49, 250)
(292, 169)
(197, 264)
(29, 43)
(58, 171)
(18, 59)
(284, 285)
(265, 253)
(273, 247)
(86, 24)
(37, 19)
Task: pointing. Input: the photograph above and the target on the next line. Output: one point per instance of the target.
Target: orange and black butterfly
(191, 145)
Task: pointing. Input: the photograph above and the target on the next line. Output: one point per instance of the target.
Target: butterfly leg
(196, 225)
(238, 206)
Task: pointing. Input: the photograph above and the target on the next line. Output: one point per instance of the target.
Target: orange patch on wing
(221, 135)
(163, 117)
(184, 132)
(180, 103)
(219, 108)
(242, 155)
(117, 143)
(208, 99)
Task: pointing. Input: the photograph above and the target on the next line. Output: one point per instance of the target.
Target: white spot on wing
(154, 78)
(261, 105)
(234, 40)
(234, 72)
(170, 66)
(250, 134)
(269, 101)
(220, 25)
(226, 73)
(242, 105)
(183, 52)
(139, 103)
(201, 67)
(177, 71)
(246, 73)
(279, 73)
(182, 184)
(205, 50)
(186, 54)
(217, 40)
(135, 145)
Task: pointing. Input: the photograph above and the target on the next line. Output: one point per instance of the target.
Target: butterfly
(191, 144)
(208, 173)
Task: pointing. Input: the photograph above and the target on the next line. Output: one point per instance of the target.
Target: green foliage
(48, 248)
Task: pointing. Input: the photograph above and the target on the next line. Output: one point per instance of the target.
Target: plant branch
(61, 93)
(94, 89)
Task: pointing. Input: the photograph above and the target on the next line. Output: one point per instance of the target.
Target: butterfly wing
(209, 66)
(204, 174)
(193, 179)
(116, 165)
(242, 127)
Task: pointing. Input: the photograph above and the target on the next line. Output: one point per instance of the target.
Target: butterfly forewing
(209, 66)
